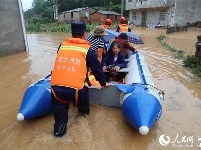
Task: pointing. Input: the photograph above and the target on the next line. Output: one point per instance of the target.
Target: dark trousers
(60, 110)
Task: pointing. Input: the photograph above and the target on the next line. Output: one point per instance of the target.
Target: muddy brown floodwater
(105, 129)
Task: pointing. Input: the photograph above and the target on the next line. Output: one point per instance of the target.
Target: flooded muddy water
(105, 128)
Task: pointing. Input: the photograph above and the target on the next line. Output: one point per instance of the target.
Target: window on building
(162, 15)
(134, 16)
(129, 0)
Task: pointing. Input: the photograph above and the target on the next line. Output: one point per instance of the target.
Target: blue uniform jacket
(109, 60)
(95, 66)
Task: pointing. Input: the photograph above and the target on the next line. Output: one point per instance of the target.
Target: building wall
(12, 39)
(99, 18)
(152, 17)
(179, 12)
(61, 18)
(67, 18)
(187, 11)
(82, 15)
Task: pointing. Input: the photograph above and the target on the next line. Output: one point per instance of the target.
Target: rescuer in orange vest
(123, 27)
(69, 76)
(107, 24)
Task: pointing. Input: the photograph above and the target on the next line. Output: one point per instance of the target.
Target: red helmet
(108, 22)
(122, 19)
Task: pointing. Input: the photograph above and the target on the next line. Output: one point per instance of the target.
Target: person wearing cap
(123, 26)
(69, 76)
(107, 24)
(125, 48)
(97, 42)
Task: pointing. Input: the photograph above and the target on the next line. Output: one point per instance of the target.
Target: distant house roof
(107, 12)
(75, 10)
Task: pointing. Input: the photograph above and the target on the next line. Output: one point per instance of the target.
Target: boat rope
(160, 92)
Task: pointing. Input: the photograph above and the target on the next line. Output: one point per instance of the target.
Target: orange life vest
(70, 65)
(106, 26)
(123, 28)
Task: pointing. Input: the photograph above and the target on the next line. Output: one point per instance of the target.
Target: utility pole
(122, 8)
(55, 8)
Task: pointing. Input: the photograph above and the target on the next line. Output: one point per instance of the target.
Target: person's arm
(100, 49)
(121, 60)
(95, 66)
(118, 28)
(128, 46)
(104, 63)
(99, 54)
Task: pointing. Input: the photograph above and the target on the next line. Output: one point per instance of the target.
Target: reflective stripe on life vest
(123, 28)
(70, 65)
(92, 80)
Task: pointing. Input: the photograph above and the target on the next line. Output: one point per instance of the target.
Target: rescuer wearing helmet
(69, 75)
(107, 24)
(123, 27)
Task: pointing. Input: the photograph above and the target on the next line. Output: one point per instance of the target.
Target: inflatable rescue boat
(138, 97)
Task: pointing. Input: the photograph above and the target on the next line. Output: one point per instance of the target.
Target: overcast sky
(26, 4)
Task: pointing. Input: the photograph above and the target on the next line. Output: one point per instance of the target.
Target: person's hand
(109, 84)
(102, 87)
(104, 69)
(116, 68)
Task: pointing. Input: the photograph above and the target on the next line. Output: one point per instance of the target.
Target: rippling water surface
(105, 129)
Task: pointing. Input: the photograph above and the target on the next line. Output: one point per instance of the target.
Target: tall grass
(194, 63)
(53, 27)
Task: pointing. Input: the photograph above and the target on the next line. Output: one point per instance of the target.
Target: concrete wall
(187, 11)
(179, 12)
(77, 16)
(12, 39)
(99, 18)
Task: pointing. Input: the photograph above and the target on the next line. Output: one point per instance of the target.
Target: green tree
(44, 8)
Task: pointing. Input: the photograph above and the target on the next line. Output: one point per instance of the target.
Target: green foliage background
(43, 9)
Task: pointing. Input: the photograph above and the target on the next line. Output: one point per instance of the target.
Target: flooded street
(106, 128)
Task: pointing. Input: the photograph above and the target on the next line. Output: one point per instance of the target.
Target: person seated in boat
(113, 62)
(97, 43)
(125, 48)
(69, 76)
(107, 24)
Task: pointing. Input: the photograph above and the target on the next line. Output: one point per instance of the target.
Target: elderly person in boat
(113, 62)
